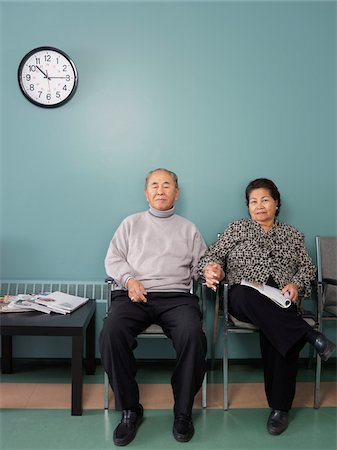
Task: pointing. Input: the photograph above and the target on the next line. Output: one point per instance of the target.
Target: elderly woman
(263, 251)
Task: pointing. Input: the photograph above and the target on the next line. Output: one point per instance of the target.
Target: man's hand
(213, 273)
(136, 291)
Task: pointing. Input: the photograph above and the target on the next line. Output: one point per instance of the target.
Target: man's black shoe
(183, 428)
(324, 347)
(126, 430)
(277, 421)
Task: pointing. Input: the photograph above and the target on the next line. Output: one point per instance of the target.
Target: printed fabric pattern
(246, 252)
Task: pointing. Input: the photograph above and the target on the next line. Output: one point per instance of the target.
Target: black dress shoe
(183, 428)
(277, 421)
(324, 347)
(126, 430)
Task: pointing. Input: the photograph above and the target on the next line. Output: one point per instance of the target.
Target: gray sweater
(160, 249)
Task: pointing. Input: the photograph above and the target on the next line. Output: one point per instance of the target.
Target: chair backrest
(326, 253)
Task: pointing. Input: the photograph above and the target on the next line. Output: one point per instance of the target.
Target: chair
(233, 326)
(153, 331)
(326, 254)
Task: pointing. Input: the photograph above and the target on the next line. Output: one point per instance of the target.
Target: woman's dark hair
(265, 184)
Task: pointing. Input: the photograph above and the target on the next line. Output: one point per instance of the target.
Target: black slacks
(180, 317)
(282, 333)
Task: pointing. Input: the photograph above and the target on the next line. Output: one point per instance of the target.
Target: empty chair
(326, 254)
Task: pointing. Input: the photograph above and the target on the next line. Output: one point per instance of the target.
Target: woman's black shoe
(324, 347)
(277, 422)
(183, 428)
(126, 430)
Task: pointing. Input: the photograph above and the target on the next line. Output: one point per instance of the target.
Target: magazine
(7, 302)
(57, 302)
(22, 303)
(274, 294)
(60, 302)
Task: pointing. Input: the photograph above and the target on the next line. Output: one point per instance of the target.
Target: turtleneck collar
(161, 214)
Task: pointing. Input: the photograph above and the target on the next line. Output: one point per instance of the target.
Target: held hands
(292, 290)
(136, 291)
(213, 275)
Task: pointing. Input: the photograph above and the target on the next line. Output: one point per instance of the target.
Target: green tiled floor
(238, 429)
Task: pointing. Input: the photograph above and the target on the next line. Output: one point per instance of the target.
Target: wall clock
(47, 77)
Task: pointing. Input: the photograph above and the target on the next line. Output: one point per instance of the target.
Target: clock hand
(45, 75)
(56, 77)
(48, 80)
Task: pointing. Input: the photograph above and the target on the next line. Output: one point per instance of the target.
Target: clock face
(47, 77)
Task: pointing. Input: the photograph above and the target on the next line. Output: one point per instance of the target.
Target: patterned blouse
(246, 252)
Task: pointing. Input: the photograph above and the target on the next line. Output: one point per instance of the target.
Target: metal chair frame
(153, 331)
(326, 276)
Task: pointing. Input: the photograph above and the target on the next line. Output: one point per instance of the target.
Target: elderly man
(153, 257)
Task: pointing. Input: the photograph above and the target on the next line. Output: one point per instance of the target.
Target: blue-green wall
(220, 92)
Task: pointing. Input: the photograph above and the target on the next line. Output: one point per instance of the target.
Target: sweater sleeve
(116, 265)
(198, 250)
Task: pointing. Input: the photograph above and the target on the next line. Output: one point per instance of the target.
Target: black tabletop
(35, 322)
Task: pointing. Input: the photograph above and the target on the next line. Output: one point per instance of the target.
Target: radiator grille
(90, 289)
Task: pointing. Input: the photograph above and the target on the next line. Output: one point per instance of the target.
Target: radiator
(88, 289)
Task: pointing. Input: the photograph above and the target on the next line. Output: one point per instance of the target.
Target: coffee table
(79, 325)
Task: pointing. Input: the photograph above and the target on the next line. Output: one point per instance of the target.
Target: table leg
(77, 376)
(90, 347)
(6, 354)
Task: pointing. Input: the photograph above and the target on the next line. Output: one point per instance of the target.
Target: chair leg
(317, 392)
(106, 391)
(225, 371)
(204, 392)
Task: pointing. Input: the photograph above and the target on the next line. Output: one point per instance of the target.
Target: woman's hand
(292, 290)
(136, 291)
(213, 273)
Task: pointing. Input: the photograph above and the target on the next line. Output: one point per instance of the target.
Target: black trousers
(180, 317)
(282, 333)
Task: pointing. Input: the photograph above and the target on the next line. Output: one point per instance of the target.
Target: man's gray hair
(172, 174)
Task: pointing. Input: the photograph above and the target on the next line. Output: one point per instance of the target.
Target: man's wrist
(127, 280)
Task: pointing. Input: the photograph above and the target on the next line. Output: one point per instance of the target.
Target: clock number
(32, 68)
(31, 87)
(47, 58)
(37, 61)
(58, 94)
(65, 87)
(64, 68)
(40, 93)
(28, 77)
(68, 78)
(48, 97)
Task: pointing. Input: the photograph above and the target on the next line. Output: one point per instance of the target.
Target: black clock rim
(55, 49)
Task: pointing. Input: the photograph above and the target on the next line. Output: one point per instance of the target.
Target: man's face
(161, 191)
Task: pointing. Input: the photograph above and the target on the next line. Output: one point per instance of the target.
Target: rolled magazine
(272, 293)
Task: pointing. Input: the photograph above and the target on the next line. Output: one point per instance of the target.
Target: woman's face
(262, 207)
